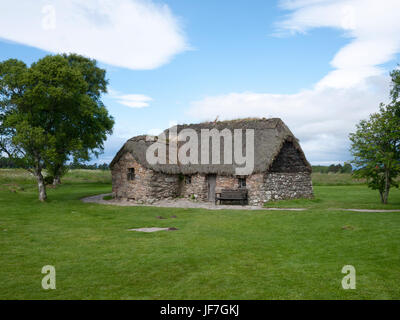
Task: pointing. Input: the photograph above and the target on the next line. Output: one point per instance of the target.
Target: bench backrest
(234, 194)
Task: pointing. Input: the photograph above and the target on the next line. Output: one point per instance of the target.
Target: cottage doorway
(211, 183)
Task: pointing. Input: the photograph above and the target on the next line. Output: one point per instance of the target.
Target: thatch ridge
(270, 135)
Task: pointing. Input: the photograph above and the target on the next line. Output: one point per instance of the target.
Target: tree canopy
(52, 111)
(376, 145)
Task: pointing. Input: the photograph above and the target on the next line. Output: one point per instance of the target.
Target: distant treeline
(334, 168)
(6, 163)
(95, 166)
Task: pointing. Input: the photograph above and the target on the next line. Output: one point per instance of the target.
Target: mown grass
(344, 197)
(214, 254)
(335, 179)
(21, 176)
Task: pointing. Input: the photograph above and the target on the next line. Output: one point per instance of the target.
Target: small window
(131, 174)
(242, 182)
(188, 179)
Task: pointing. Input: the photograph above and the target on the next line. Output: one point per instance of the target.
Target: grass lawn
(214, 254)
(344, 197)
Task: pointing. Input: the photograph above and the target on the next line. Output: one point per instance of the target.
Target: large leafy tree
(376, 145)
(86, 139)
(52, 111)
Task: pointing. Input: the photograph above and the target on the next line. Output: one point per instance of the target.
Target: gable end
(290, 160)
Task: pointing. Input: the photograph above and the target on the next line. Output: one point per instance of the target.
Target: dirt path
(180, 203)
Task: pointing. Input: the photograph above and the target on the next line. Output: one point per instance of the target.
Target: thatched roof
(269, 137)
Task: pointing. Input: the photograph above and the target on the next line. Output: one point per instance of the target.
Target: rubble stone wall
(149, 186)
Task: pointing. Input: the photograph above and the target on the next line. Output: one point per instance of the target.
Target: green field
(214, 254)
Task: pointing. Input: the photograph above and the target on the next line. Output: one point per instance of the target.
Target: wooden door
(211, 182)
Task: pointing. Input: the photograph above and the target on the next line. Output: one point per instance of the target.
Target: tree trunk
(381, 194)
(387, 187)
(41, 186)
(56, 181)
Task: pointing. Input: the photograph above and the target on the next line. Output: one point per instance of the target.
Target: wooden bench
(232, 195)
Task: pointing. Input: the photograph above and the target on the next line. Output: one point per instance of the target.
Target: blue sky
(320, 65)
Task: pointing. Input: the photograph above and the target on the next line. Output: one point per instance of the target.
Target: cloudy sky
(320, 65)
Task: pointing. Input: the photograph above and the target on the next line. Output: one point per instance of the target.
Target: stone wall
(254, 184)
(121, 187)
(163, 186)
(289, 176)
(197, 189)
(226, 182)
(271, 186)
(279, 186)
(147, 186)
(257, 189)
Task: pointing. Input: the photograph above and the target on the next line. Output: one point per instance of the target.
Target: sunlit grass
(225, 254)
(350, 197)
(22, 176)
(338, 179)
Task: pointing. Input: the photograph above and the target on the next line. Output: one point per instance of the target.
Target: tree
(52, 111)
(395, 91)
(335, 168)
(376, 149)
(86, 134)
(347, 168)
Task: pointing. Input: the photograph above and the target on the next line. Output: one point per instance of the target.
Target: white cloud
(135, 34)
(320, 118)
(323, 116)
(133, 100)
(373, 26)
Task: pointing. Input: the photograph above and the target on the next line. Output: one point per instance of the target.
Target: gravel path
(186, 203)
(369, 210)
(149, 230)
(180, 203)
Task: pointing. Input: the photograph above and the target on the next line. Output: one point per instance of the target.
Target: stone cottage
(280, 169)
